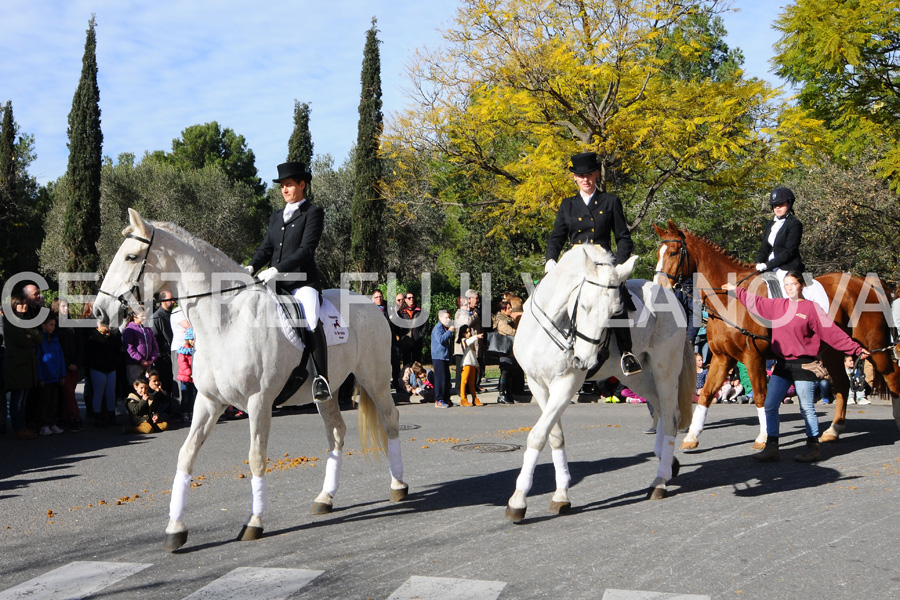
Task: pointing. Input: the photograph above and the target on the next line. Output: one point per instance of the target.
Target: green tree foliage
(208, 144)
(203, 201)
(844, 56)
(300, 144)
(334, 189)
(368, 203)
(81, 226)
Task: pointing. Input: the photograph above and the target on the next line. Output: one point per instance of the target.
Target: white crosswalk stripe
(78, 579)
(445, 588)
(256, 583)
(84, 579)
(635, 595)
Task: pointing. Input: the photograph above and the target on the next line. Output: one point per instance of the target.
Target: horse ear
(624, 270)
(659, 230)
(137, 224)
(672, 226)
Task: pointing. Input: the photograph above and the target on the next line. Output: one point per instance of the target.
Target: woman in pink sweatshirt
(799, 326)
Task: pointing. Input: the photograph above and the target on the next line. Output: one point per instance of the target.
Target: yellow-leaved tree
(520, 85)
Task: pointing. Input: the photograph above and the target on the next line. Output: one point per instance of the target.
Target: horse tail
(372, 435)
(687, 384)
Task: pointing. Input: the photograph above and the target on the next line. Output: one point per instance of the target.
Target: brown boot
(770, 452)
(477, 402)
(812, 453)
(464, 402)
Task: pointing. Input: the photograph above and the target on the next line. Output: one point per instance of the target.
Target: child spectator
(51, 371)
(468, 339)
(731, 389)
(70, 340)
(419, 382)
(142, 413)
(441, 340)
(857, 394)
(163, 405)
(702, 372)
(186, 375)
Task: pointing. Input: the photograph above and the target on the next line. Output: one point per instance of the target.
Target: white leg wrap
(395, 458)
(561, 464)
(332, 473)
(658, 446)
(665, 461)
(258, 486)
(529, 462)
(179, 495)
(698, 421)
(761, 412)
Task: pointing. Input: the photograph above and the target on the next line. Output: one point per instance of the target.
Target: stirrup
(629, 364)
(321, 389)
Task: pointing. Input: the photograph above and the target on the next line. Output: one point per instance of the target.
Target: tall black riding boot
(318, 361)
(629, 363)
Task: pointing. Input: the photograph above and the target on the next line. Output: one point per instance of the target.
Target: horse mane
(735, 262)
(202, 247)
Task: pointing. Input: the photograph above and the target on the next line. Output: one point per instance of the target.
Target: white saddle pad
(336, 329)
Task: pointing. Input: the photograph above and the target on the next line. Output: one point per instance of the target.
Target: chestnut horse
(857, 306)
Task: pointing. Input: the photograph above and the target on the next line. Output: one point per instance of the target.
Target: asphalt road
(731, 528)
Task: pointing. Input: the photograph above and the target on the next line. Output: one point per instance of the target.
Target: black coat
(291, 247)
(786, 246)
(594, 223)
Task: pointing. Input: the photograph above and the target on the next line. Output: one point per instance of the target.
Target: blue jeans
(806, 392)
(441, 380)
(104, 387)
(188, 394)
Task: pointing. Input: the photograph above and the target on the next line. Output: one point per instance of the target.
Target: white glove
(248, 269)
(760, 267)
(268, 275)
(549, 265)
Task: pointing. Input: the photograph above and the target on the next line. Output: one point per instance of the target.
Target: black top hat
(781, 195)
(584, 163)
(293, 170)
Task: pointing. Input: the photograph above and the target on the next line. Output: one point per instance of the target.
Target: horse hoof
(692, 445)
(828, 437)
(249, 534)
(758, 445)
(658, 493)
(559, 508)
(515, 514)
(399, 495)
(174, 541)
(320, 508)
(676, 467)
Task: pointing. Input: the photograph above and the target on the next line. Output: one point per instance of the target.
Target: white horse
(565, 322)
(242, 358)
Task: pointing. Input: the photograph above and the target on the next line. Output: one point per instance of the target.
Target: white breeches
(308, 297)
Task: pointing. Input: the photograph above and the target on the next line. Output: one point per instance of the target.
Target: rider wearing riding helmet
(289, 249)
(591, 217)
(780, 248)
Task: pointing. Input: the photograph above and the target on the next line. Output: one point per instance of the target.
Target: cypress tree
(8, 197)
(367, 207)
(81, 227)
(300, 145)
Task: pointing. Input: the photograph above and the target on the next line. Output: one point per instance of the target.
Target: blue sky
(167, 64)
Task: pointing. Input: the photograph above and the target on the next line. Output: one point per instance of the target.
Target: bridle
(679, 278)
(564, 338)
(135, 290)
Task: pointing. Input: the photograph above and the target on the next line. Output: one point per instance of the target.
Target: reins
(135, 289)
(569, 335)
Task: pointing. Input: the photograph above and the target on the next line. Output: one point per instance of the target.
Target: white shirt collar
(290, 209)
(586, 198)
